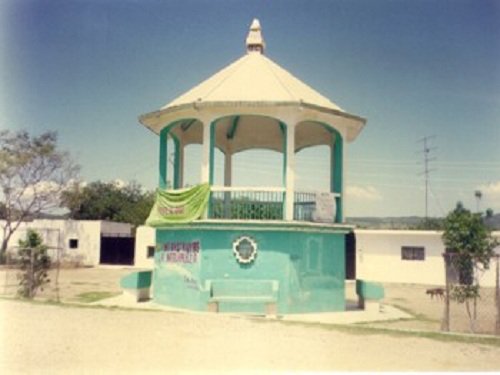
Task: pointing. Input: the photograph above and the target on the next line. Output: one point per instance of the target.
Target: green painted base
(250, 267)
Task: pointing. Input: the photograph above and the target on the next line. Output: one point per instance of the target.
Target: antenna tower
(427, 150)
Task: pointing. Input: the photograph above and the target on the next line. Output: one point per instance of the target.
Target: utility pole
(478, 194)
(427, 170)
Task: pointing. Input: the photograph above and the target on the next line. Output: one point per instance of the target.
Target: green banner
(179, 206)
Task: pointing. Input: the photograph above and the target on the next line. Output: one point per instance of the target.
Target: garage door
(117, 250)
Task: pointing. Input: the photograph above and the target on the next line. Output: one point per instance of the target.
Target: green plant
(108, 201)
(34, 264)
(469, 246)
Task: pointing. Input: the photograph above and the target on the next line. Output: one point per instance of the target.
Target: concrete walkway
(351, 316)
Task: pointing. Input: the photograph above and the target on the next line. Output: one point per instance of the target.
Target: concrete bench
(369, 294)
(138, 284)
(243, 291)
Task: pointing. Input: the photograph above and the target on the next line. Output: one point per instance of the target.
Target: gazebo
(262, 248)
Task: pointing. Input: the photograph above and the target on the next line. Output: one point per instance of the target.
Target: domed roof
(252, 80)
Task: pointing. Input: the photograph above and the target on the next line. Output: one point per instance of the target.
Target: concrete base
(271, 308)
(374, 306)
(344, 317)
(139, 295)
(197, 264)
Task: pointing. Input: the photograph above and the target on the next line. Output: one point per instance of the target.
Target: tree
(109, 201)
(470, 246)
(34, 265)
(478, 194)
(33, 173)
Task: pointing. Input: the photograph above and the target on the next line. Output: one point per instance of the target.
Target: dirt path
(39, 338)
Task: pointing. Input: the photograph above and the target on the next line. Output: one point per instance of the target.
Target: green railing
(315, 206)
(249, 203)
(246, 203)
(304, 204)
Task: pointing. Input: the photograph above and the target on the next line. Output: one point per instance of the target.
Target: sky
(413, 69)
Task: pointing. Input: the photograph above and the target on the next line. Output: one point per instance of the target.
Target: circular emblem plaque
(245, 249)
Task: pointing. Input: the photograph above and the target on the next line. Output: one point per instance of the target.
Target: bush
(34, 264)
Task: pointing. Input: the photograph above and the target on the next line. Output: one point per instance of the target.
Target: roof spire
(255, 41)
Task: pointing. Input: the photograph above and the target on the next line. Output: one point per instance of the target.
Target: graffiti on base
(191, 283)
(180, 252)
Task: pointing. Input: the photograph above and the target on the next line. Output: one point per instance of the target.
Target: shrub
(34, 264)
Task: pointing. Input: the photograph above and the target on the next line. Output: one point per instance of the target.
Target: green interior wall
(309, 265)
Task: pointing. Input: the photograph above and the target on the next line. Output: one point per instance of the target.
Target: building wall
(87, 235)
(145, 237)
(114, 228)
(77, 240)
(378, 257)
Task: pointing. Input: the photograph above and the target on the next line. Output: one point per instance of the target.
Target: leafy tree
(33, 173)
(471, 246)
(34, 265)
(109, 201)
(489, 213)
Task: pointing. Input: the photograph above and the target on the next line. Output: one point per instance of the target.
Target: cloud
(493, 188)
(42, 188)
(366, 193)
(491, 193)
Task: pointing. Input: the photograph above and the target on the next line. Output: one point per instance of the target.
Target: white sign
(325, 208)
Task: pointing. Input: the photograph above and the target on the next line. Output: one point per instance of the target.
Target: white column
(290, 170)
(181, 164)
(228, 166)
(205, 153)
(205, 157)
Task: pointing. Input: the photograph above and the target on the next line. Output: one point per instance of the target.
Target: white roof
(253, 78)
(254, 84)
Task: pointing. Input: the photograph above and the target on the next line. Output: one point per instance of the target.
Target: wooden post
(32, 276)
(445, 322)
(497, 296)
(59, 248)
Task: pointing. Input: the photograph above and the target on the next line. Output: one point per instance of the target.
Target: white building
(85, 242)
(389, 256)
(145, 243)
(405, 256)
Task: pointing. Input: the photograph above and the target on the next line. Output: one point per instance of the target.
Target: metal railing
(314, 206)
(304, 204)
(246, 203)
(267, 203)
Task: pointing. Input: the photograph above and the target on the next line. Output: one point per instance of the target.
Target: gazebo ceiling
(255, 85)
(239, 133)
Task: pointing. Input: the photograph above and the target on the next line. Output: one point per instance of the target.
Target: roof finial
(255, 41)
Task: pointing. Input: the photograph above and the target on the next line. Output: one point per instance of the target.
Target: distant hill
(406, 222)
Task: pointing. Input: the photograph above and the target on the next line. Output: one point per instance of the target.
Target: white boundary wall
(378, 257)
(144, 237)
(58, 233)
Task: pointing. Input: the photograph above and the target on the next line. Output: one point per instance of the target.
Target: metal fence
(304, 206)
(479, 314)
(260, 204)
(11, 274)
(236, 204)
